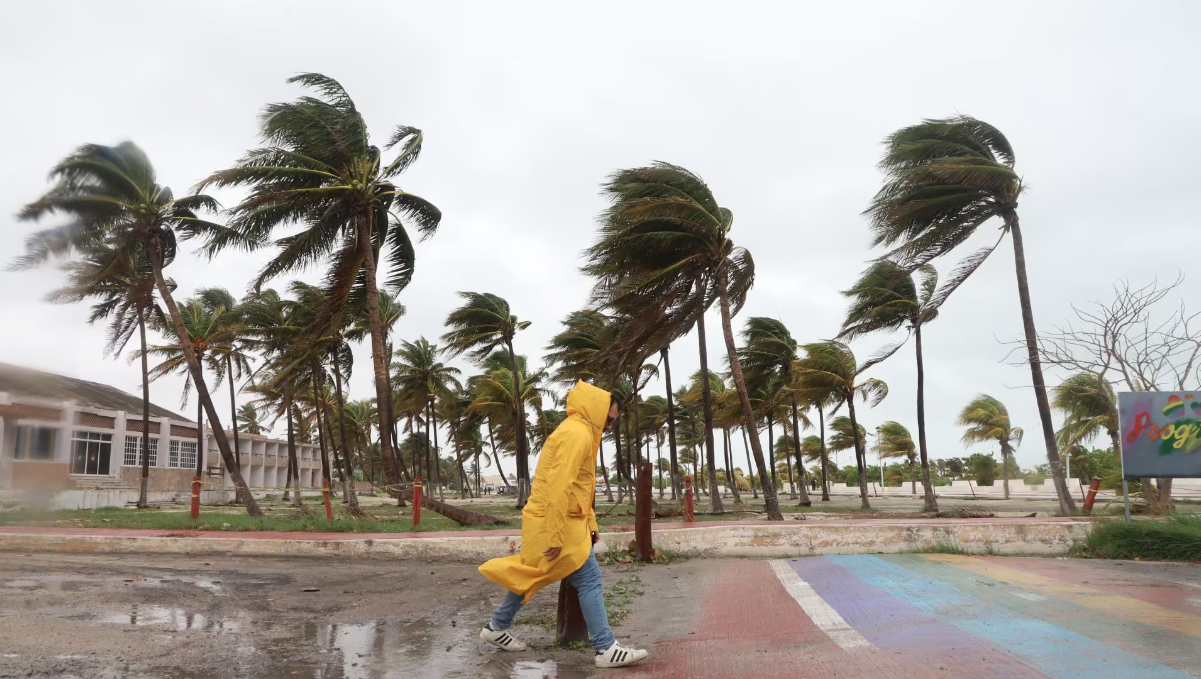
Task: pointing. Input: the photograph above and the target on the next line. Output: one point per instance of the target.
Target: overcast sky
(526, 108)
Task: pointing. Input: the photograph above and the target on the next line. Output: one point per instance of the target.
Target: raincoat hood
(590, 403)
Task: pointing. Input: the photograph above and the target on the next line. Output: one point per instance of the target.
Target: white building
(61, 433)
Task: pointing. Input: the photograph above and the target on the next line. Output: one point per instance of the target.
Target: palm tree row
(662, 258)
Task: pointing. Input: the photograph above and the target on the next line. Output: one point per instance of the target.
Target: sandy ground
(171, 616)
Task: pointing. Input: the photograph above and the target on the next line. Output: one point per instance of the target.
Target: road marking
(1089, 597)
(821, 613)
(1028, 596)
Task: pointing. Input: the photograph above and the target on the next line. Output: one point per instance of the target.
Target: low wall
(99, 499)
(160, 479)
(762, 541)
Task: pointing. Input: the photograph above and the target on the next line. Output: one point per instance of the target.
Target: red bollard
(196, 497)
(329, 512)
(417, 502)
(1093, 487)
(689, 515)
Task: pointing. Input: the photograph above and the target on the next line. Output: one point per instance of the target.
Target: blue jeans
(587, 582)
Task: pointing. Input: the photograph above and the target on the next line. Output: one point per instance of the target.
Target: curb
(755, 541)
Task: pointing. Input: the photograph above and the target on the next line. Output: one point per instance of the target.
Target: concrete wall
(160, 479)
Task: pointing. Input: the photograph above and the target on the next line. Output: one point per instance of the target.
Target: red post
(1093, 487)
(645, 550)
(329, 512)
(417, 501)
(196, 497)
(689, 516)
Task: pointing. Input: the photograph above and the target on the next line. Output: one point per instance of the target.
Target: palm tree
(770, 350)
(319, 169)
(943, 179)
(887, 298)
(390, 313)
(483, 324)
(248, 419)
(986, 420)
(423, 378)
(230, 347)
(829, 369)
(894, 441)
(110, 194)
(664, 256)
(123, 286)
(841, 439)
(814, 450)
(1089, 407)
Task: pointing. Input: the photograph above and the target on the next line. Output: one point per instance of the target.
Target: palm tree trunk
(352, 497)
(434, 454)
(233, 412)
(601, 451)
(523, 462)
(715, 506)
(320, 430)
(931, 502)
(750, 468)
(671, 425)
(725, 437)
(293, 463)
(796, 449)
(621, 493)
(1067, 504)
(771, 504)
(496, 455)
(202, 392)
(1005, 453)
(379, 362)
(199, 438)
(821, 423)
(771, 451)
(912, 478)
(143, 488)
(860, 454)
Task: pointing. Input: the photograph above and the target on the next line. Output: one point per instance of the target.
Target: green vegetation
(544, 620)
(619, 596)
(1177, 538)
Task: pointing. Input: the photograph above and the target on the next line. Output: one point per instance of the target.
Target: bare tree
(1134, 343)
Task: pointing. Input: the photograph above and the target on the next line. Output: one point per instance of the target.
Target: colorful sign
(1161, 434)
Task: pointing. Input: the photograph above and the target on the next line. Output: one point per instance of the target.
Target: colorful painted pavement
(941, 616)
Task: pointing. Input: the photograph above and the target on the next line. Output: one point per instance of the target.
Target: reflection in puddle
(530, 669)
(177, 619)
(50, 582)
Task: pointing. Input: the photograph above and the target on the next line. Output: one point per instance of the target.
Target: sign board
(1161, 434)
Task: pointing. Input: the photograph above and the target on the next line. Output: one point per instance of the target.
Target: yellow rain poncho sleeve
(559, 511)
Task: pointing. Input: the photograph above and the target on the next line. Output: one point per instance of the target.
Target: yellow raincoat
(559, 511)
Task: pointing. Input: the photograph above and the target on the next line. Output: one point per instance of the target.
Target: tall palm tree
(770, 350)
(987, 420)
(110, 193)
(318, 168)
(1089, 407)
(944, 179)
(249, 419)
(390, 313)
(230, 348)
(419, 374)
(841, 439)
(483, 324)
(894, 441)
(886, 298)
(829, 369)
(814, 450)
(122, 286)
(664, 256)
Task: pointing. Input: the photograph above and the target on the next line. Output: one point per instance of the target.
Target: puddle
(176, 619)
(50, 583)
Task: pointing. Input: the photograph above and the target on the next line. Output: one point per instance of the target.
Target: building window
(34, 443)
(182, 455)
(90, 452)
(133, 450)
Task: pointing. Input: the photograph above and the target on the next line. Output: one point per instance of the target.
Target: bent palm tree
(110, 193)
(123, 286)
(887, 298)
(894, 441)
(829, 370)
(664, 256)
(483, 324)
(319, 169)
(944, 179)
(986, 420)
(1089, 407)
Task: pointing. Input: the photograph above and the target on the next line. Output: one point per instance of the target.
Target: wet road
(915, 616)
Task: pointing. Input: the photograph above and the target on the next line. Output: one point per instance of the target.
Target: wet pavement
(81, 615)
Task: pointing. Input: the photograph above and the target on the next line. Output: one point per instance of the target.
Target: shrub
(1176, 539)
(1034, 479)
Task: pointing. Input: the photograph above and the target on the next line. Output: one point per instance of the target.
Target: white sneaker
(619, 656)
(502, 639)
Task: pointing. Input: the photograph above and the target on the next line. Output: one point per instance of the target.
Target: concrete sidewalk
(1041, 536)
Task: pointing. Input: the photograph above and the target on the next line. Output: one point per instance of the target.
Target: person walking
(558, 530)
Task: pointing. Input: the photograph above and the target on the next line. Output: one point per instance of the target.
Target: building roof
(31, 383)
